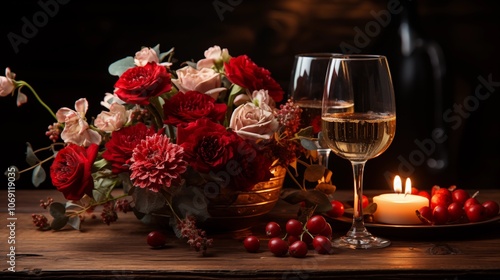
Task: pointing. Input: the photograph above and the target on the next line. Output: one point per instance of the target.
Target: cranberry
(426, 215)
(156, 239)
(277, 246)
(440, 199)
(440, 214)
(425, 194)
(460, 196)
(470, 201)
(322, 244)
(337, 209)
(298, 249)
(491, 207)
(327, 231)
(455, 211)
(294, 227)
(475, 213)
(273, 229)
(316, 224)
(251, 243)
(365, 202)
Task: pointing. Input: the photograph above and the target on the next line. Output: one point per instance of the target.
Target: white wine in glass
(364, 83)
(306, 88)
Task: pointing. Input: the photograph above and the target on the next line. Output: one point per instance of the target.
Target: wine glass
(362, 83)
(306, 88)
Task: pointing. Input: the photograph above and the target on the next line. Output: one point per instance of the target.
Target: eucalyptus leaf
(306, 132)
(326, 188)
(38, 175)
(308, 144)
(162, 55)
(311, 197)
(59, 222)
(57, 210)
(75, 222)
(314, 172)
(157, 49)
(192, 201)
(104, 182)
(31, 158)
(147, 201)
(12, 170)
(118, 67)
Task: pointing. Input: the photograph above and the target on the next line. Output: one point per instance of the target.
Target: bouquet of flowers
(163, 135)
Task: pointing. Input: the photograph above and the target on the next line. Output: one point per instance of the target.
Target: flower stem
(20, 84)
(295, 180)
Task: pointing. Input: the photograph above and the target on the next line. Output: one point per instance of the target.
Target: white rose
(214, 55)
(145, 55)
(113, 120)
(252, 122)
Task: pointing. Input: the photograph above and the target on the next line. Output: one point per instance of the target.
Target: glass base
(360, 241)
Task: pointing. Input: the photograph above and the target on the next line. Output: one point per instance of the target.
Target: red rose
(208, 146)
(190, 106)
(242, 71)
(71, 171)
(138, 84)
(252, 167)
(121, 145)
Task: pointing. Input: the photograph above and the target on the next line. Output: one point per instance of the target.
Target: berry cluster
(196, 237)
(316, 233)
(40, 221)
(455, 205)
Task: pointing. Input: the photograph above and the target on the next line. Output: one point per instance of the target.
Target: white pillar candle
(399, 208)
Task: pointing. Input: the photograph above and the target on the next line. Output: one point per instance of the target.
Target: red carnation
(242, 71)
(121, 145)
(157, 163)
(190, 106)
(71, 171)
(138, 84)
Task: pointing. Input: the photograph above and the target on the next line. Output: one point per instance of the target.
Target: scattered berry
(251, 243)
(156, 239)
(298, 249)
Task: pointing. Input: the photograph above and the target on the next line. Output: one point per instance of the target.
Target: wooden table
(119, 251)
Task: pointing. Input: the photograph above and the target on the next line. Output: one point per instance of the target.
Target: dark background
(66, 57)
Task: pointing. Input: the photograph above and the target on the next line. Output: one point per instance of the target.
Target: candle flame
(398, 185)
(408, 186)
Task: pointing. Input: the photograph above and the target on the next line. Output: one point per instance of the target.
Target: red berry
(294, 227)
(273, 229)
(440, 214)
(425, 194)
(475, 213)
(277, 246)
(156, 239)
(251, 243)
(292, 238)
(440, 199)
(426, 215)
(434, 189)
(298, 249)
(414, 190)
(460, 196)
(316, 224)
(327, 231)
(455, 211)
(337, 209)
(492, 208)
(322, 244)
(365, 202)
(307, 238)
(470, 201)
(444, 191)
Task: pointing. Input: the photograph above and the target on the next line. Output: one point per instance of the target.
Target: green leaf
(326, 188)
(59, 222)
(305, 132)
(57, 210)
(308, 144)
(38, 176)
(118, 67)
(75, 222)
(162, 55)
(314, 172)
(104, 182)
(147, 201)
(311, 197)
(31, 158)
(191, 200)
(12, 170)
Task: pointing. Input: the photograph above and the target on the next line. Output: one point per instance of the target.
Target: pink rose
(145, 55)
(7, 83)
(252, 122)
(76, 129)
(214, 56)
(113, 120)
(206, 81)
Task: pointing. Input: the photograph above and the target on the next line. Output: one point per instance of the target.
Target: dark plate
(458, 230)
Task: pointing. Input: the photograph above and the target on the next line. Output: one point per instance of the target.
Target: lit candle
(399, 208)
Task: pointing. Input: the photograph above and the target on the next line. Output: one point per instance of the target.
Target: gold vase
(240, 210)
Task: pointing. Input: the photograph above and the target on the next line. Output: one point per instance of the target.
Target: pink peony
(157, 163)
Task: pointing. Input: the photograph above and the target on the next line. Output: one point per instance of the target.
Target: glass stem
(323, 157)
(358, 168)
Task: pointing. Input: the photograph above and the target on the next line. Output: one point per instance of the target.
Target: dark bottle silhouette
(418, 71)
